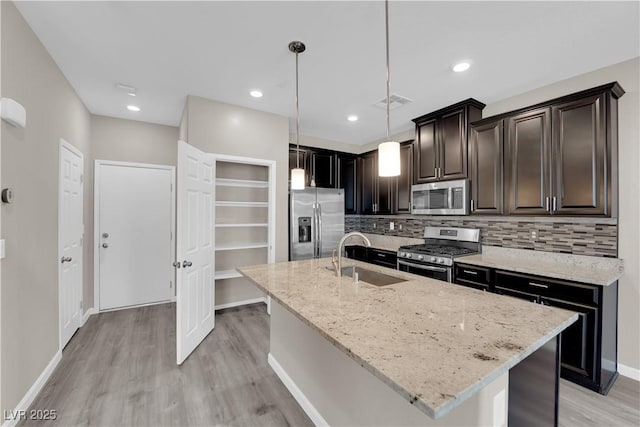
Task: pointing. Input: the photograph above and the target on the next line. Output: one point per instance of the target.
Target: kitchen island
(418, 352)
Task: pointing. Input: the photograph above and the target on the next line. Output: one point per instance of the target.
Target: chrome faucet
(338, 265)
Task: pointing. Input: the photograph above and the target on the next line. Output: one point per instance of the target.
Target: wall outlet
(392, 226)
(533, 234)
(375, 225)
(399, 227)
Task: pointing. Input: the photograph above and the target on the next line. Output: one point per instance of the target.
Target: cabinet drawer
(382, 257)
(473, 273)
(518, 294)
(568, 291)
(356, 252)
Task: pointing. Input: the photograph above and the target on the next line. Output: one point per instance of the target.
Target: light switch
(392, 226)
(2, 249)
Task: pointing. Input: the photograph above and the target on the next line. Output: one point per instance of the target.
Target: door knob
(105, 235)
(186, 264)
(105, 245)
(65, 259)
(176, 264)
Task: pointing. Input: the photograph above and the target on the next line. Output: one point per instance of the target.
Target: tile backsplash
(583, 237)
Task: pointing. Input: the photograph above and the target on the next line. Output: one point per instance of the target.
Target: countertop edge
(412, 399)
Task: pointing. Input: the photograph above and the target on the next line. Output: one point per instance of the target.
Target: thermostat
(7, 195)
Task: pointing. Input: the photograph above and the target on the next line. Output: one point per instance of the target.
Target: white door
(71, 229)
(195, 286)
(134, 234)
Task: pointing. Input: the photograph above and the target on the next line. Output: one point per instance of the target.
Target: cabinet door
(304, 160)
(386, 187)
(426, 152)
(580, 157)
(405, 180)
(578, 355)
(323, 169)
(452, 146)
(347, 172)
(517, 294)
(368, 165)
(528, 162)
(485, 169)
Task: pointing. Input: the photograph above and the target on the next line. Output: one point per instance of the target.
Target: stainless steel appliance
(435, 257)
(441, 198)
(316, 222)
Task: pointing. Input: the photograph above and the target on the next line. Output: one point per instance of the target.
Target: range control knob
(409, 255)
(439, 260)
(400, 254)
(420, 257)
(433, 259)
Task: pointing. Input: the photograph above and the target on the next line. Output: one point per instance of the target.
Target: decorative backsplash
(580, 238)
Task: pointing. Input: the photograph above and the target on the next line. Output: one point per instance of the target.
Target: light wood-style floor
(120, 370)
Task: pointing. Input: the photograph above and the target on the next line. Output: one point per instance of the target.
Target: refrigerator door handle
(319, 214)
(316, 235)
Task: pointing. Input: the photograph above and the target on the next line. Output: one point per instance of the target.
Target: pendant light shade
(389, 159)
(388, 152)
(297, 179)
(297, 174)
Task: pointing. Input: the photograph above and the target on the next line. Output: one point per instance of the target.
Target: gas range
(435, 257)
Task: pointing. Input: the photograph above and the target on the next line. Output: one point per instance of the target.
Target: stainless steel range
(435, 257)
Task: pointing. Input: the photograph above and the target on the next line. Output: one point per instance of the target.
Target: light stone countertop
(579, 268)
(433, 343)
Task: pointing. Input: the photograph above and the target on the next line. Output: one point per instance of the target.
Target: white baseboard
(31, 394)
(297, 394)
(629, 372)
(239, 303)
(90, 312)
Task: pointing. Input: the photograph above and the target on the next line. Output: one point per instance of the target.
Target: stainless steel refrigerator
(316, 222)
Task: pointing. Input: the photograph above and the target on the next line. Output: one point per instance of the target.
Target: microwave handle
(450, 198)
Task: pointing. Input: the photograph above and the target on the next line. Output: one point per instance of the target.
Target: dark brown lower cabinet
(589, 346)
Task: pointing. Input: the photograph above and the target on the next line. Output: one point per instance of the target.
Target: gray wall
(628, 75)
(29, 309)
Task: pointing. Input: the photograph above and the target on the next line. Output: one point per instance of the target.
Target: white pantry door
(195, 285)
(71, 229)
(134, 234)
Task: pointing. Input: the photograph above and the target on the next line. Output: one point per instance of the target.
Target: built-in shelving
(226, 274)
(246, 183)
(241, 246)
(240, 225)
(232, 203)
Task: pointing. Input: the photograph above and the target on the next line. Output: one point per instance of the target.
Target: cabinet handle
(538, 285)
(380, 255)
(555, 204)
(472, 205)
(546, 204)
(475, 273)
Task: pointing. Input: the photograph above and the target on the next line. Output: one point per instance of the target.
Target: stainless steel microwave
(441, 198)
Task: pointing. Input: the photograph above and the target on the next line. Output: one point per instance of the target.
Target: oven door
(431, 271)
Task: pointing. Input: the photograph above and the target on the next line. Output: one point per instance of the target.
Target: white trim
(96, 223)
(127, 307)
(629, 372)
(297, 394)
(239, 303)
(36, 387)
(90, 312)
(74, 150)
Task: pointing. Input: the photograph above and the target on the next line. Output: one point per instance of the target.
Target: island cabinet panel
(580, 180)
(441, 142)
(323, 169)
(528, 165)
(347, 179)
(405, 180)
(485, 168)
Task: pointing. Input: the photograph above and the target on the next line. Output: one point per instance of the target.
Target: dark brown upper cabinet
(405, 180)
(528, 162)
(486, 167)
(441, 141)
(323, 169)
(561, 155)
(377, 194)
(347, 179)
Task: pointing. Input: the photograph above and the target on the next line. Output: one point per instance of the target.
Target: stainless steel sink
(373, 277)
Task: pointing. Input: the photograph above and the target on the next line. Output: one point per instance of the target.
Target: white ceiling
(222, 50)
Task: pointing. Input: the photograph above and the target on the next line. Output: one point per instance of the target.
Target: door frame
(96, 223)
(64, 145)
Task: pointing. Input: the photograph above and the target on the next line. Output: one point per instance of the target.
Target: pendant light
(297, 174)
(389, 151)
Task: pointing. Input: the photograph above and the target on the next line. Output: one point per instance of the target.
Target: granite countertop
(434, 343)
(578, 268)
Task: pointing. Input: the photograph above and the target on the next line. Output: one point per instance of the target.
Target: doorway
(133, 234)
(70, 234)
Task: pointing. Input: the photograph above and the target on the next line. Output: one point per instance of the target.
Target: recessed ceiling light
(352, 118)
(256, 94)
(461, 66)
(133, 108)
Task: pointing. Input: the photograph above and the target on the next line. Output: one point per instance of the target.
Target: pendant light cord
(297, 119)
(386, 17)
